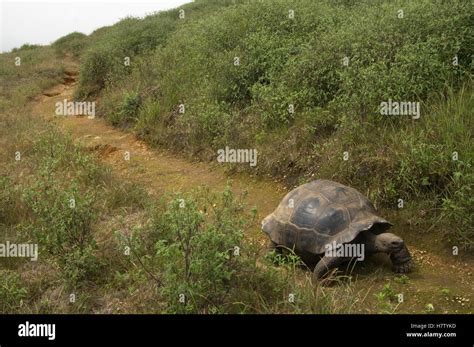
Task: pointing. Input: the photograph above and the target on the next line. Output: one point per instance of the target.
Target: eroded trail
(132, 159)
(440, 280)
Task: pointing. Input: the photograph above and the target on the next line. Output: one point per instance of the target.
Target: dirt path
(444, 281)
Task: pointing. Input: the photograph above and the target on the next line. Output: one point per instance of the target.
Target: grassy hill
(306, 78)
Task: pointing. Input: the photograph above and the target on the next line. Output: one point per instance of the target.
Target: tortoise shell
(320, 213)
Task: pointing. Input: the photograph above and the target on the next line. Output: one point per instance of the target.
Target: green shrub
(65, 208)
(196, 253)
(63, 219)
(128, 109)
(12, 292)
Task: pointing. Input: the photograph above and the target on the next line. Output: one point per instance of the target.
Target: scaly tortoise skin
(322, 213)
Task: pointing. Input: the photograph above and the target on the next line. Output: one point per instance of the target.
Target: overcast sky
(42, 22)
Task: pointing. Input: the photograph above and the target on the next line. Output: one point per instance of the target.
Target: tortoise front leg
(327, 264)
(394, 246)
(401, 260)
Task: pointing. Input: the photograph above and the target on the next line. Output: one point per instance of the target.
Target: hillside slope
(308, 78)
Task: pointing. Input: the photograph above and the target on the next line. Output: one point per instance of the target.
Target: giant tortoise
(327, 223)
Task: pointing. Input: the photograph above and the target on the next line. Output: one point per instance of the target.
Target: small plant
(285, 257)
(446, 291)
(80, 265)
(402, 279)
(429, 308)
(385, 299)
(129, 108)
(12, 293)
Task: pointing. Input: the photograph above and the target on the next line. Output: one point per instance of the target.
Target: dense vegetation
(310, 86)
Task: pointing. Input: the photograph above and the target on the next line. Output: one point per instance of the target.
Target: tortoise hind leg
(326, 264)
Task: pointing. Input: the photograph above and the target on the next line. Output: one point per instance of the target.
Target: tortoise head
(388, 243)
(398, 251)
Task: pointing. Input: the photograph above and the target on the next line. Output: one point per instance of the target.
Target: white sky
(42, 22)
